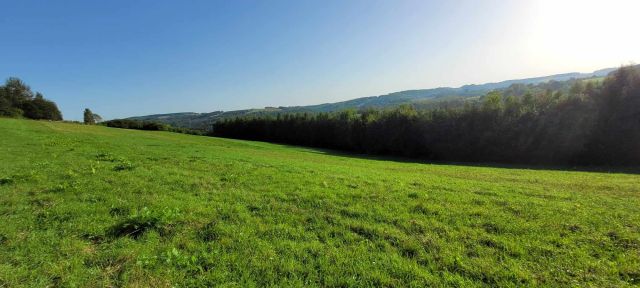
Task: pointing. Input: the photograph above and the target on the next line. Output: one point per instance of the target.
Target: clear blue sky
(127, 58)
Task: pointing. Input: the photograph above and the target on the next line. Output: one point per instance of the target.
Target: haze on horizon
(128, 58)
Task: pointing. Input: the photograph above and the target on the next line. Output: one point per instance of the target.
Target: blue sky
(127, 58)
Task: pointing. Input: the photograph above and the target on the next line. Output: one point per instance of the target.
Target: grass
(96, 206)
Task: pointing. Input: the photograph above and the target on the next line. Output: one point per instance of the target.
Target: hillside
(591, 121)
(423, 97)
(93, 206)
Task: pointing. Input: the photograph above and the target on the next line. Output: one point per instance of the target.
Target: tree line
(589, 123)
(17, 100)
(147, 125)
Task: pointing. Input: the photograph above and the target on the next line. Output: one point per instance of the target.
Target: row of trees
(137, 125)
(148, 125)
(590, 124)
(17, 100)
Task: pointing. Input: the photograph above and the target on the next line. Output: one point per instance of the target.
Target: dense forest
(584, 123)
(420, 99)
(17, 100)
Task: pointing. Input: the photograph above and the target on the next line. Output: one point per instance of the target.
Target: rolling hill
(91, 206)
(422, 96)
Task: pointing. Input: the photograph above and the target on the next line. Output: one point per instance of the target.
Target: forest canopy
(588, 123)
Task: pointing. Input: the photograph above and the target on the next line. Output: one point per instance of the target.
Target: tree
(17, 100)
(17, 91)
(6, 108)
(615, 139)
(89, 117)
(554, 122)
(492, 102)
(40, 108)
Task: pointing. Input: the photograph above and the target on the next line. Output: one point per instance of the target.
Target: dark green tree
(17, 100)
(17, 91)
(40, 108)
(560, 123)
(97, 118)
(88, 117)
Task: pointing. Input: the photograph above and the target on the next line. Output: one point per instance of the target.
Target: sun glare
(586, 34)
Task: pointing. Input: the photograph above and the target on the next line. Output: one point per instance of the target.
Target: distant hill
(204, 120)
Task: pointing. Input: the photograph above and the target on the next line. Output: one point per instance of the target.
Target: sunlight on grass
(94, 206)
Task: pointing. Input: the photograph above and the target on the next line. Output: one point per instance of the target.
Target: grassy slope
(247, 213)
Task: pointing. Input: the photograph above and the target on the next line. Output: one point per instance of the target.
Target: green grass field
(96, 206)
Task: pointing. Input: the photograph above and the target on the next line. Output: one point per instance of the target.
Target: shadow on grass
(347, 154)
(598, 169)
(134, 228)
(142, 221)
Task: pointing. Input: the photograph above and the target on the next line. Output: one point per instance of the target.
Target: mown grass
(95, 206)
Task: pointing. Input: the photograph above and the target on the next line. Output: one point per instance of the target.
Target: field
(96, 206)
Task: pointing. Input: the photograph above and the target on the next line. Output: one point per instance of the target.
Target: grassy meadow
(86, 206)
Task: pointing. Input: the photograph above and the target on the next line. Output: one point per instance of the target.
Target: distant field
(95, 206)
(595, 80)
